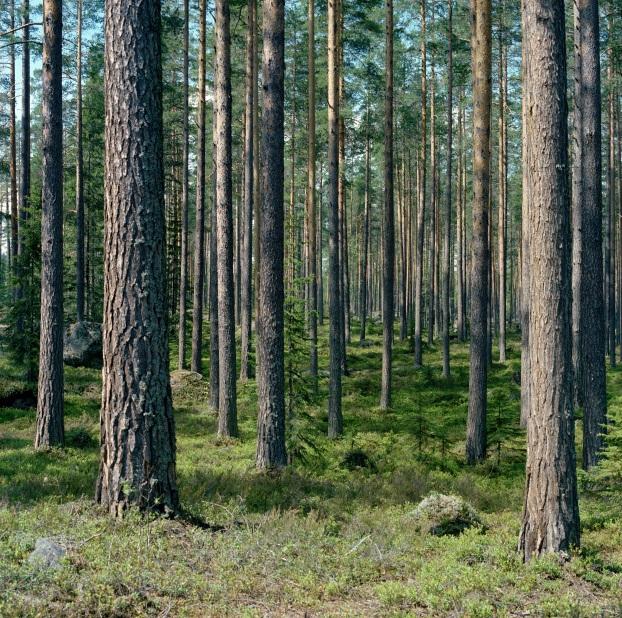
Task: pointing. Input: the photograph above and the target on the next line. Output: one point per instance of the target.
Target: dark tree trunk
(421, 199)
(271, 451)
(311, 214)
(13, 146)
(137, 426)
(365, 265)
(214, 369)
(227, 405)
(335, 419)
(79, 177)
(502, 201)
(389, 217)
(447, 245)
(247, 217)
(481, 45)
(587, 232)
(183, 272)
(460, 284)
(551, 514)
(199, 230)
(610, 244)
(50, 429)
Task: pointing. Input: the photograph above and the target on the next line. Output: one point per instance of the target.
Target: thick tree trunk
(249, 182)
(587, 279)
(199, 229)
(227, 407)
(335, 420)
(421, 199)
(183, 273)
(271, 452)
(481, 45)
(137, 426)
(311, 210)
(50, 429)
(448, 197)
(551, 514)
(389, 218)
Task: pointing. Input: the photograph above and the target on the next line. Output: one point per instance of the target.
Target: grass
(325, 537)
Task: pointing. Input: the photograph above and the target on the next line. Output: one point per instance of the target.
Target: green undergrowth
(332, 535)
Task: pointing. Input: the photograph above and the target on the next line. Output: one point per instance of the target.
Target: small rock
(441, 515)
(47, 554)
(83, 345)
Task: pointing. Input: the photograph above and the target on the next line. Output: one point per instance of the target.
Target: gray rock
(47, 554)
(441, 515)
(181, 379)
(83, 345)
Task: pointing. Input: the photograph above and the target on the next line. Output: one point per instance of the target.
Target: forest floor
(331, 536)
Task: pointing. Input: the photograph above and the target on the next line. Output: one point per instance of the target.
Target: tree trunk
(587, 279)
(247, 226)
(502, 194)
(551, 514)
(199, 229)
(609, 245)
(13, 148)
(214, 372)
(227, 408)
(365, 265)
(461, 317)
(389, 218)
(447, 245)
(335, 420)
(432, 287)
(183, 273)
(50, 429)
(271, 452)
(481, 45)
(137, 465)
(421, 198)
(311, 214)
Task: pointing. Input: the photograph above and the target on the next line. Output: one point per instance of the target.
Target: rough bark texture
(311, 209)
(247, 215)
(137, 428)
(183, 273)
(335, 420)
(214, 372)
(481, 45)
(271, 452)
(365, 262)
(502, 197)
(227, 405)
(199, 229)
(389, 217)
(79, 176)
(448, 197)
(587, 276)
(13, 145)
(551, 514)
(50, 430)
(421, 199)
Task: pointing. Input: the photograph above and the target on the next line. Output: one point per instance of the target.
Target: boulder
(47, 554)
(441, 515)
(181, 379)
(83, 345)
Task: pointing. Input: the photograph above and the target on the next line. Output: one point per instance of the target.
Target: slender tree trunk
(447, 245)
(271, 452)
(502, 194)
(199, 230)
(13, 147)
(461, 318)
(588, 308)
(183, 273)
(320, 245)
(432, 287)
(214, 372)
(79, 175)
(247, 244)
(227, 408)
(609, 245)
(481, 62)
(335, 420)
(421, 198)
(50, 428)
(389, 217)
(311, 210)
(137, 426)
(364, 302)
(551, 514)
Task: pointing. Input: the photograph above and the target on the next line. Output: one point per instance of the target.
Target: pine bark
(551, 514)
(388, 309)
(50, 424)
(587, 278)
(502, 194)
(199, 229)
(481, 46)
(364, 299)
(335, 419)
(13, 146)
(137, 465)
(271, 451)
(227, 404)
